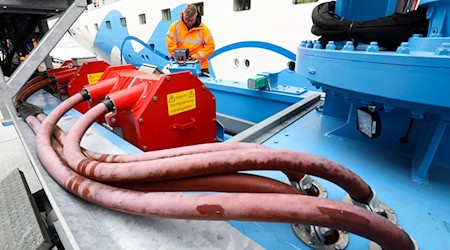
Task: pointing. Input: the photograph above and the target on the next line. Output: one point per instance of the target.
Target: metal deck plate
(13, 155)
(19, 226)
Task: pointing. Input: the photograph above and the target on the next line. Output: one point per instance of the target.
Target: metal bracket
(375, 206)
(315, 236)
(307, 185)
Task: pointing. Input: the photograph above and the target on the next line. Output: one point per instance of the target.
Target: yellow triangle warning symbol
(171, 99)
(191, 94)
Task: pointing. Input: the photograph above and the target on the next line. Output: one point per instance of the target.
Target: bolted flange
(323, 238)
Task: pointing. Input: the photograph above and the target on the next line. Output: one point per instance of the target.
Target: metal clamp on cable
(375, 206)
(321, 237)
(25, 109)
(307, 185)
(315, 236)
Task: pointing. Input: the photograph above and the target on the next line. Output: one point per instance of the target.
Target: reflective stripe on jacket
(198, 40)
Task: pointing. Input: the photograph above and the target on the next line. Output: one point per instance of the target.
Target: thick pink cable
(208, 163)
(254, 207)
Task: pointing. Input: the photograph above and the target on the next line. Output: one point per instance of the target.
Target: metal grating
(19, 226)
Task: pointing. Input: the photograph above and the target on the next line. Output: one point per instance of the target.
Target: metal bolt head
(330, 46)
(442, 51)
(168, 78)
(155, 98)
(141, 120)
(113, 120)
(373, 47)
(145, 148)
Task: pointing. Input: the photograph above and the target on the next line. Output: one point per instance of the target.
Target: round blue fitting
(373, 47)
(331, 46)
(403, 48)
(349, 46)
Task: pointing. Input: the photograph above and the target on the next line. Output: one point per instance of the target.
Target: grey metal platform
(20, 223)
(13, 154)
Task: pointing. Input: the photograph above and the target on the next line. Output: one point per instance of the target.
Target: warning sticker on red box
(180, 102)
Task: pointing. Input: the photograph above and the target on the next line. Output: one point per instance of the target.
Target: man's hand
(192, 57)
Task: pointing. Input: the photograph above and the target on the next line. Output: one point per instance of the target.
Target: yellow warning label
(94, 77)
(180, 102)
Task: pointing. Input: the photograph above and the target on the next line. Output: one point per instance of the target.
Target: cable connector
(25, 109)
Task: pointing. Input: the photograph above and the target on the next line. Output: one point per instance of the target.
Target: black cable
(388, 31)
(404, 139)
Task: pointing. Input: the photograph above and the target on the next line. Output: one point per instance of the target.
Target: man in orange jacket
(190, 33)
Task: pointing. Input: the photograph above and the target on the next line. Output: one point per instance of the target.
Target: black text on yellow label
(94, 77)
(180, 102)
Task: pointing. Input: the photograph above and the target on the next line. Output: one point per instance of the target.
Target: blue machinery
(385, 113)
(407, 90)
(409, 86)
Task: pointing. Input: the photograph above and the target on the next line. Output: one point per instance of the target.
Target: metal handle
(184, 126)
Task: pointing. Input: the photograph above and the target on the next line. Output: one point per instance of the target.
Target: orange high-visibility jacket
(198, 40)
